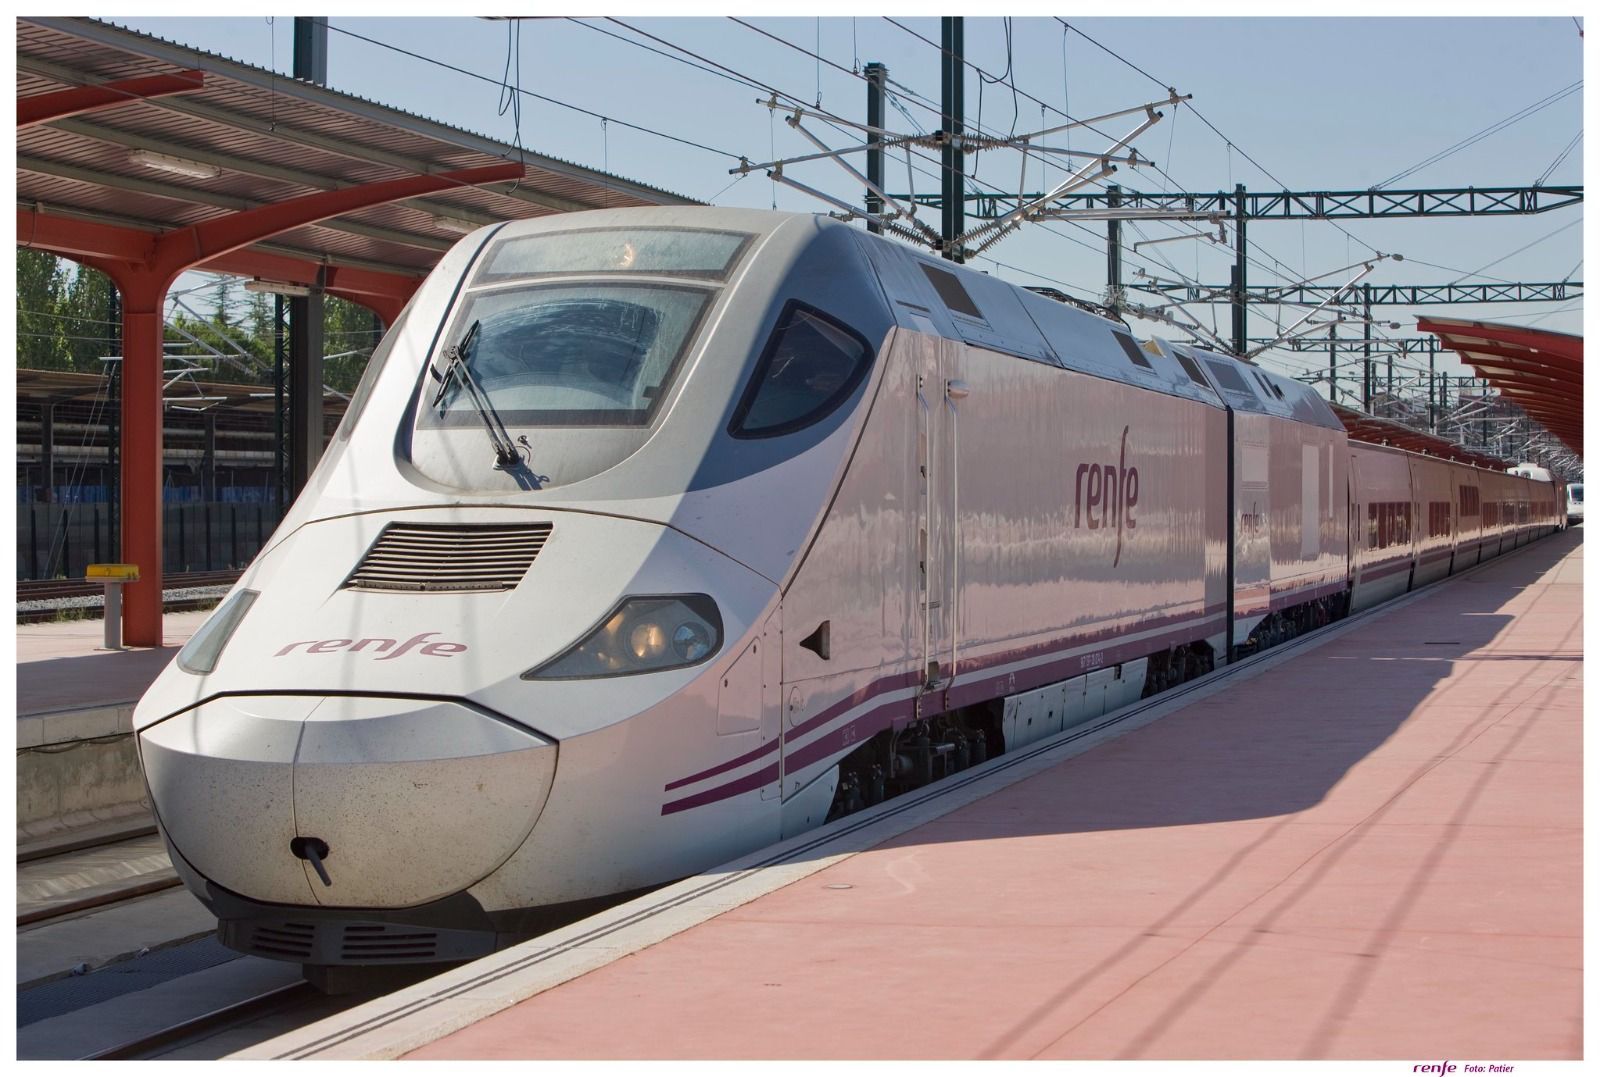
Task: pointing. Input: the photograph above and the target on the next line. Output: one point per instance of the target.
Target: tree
(41, 330)
(349, 333)
(258, 320)
(226, 289)
(88, 312)
(228, 352)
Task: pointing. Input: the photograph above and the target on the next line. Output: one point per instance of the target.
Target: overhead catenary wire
(974, 182)
(1473, 139)
(1228, 143)
(1231, 145)
(1562, 156)
(828, 117)
(1519, 250)
(509, 97)
(983, 73)
(536, 96)
(971, 181)
(1234, 146)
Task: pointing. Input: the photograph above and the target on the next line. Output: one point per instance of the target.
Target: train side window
(1228, 377)
(950, 289)
(810, 366)
(1438, 518)
(1190, 368)
(1132, 351)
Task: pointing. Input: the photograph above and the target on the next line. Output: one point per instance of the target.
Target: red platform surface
(1373, 850)
(61, 666)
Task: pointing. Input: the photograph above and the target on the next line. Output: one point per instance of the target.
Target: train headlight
(200, 654)
(692, 641)
(647, 641)
(642, 635)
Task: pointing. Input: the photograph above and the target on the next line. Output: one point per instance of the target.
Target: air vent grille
(449, 558)
(370, 943)
(287, 940)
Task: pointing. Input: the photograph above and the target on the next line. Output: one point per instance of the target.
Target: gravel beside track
(42, 599)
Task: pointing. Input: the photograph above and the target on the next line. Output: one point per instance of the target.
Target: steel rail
(274, 1001)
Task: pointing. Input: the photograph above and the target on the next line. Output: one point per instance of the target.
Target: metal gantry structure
(1411, 295)
(1313, 205)
(1421, 398)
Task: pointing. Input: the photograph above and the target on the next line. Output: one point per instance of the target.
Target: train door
(1252, 536)
(771, 646)
(938, 433)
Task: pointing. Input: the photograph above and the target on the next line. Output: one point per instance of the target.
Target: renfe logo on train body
(1104, 495)
(382, 650)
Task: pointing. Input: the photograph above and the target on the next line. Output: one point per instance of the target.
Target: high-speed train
(653, 536)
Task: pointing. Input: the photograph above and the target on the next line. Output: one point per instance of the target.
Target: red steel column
(143, 266)
(142, 380)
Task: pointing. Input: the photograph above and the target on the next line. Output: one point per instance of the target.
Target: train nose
(397, 801)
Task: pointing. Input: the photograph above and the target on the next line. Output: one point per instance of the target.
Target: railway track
(269, 1004)
(93, 864)
(91, 872)
(120, 862)
(41, 600)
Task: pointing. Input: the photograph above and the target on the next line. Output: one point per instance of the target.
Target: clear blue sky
(1321, 103)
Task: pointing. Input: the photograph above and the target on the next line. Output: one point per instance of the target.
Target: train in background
(654, 536)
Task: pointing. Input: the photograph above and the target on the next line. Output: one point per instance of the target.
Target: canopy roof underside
(1376, 431)
(1539, 371)
(251, 137)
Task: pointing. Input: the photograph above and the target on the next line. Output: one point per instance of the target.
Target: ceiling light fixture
(277, 287)
(454, 224)
(181, 166)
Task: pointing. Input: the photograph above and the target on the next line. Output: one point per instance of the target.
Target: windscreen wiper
(505, 450)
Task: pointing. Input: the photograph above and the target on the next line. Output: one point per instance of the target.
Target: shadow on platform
(1276, 744)
(83, 681)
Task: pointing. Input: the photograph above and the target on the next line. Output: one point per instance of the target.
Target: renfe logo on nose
(1105, 494)
(381, 649)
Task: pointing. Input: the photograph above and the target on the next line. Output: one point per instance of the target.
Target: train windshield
(669, 252)
(581, 354)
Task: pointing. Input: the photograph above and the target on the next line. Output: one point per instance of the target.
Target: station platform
(1365, 844)
(75, 719)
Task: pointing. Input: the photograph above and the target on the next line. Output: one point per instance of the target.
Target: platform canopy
(1376, 431)
(1539, 371)
(121, 129)
(145, 159)
(186, 394)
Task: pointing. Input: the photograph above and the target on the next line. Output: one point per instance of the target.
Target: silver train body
(784, 518)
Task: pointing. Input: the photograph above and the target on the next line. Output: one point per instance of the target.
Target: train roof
(931, 295)
(938, 296)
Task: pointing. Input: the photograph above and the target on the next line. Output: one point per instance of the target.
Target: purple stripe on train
(889, 712)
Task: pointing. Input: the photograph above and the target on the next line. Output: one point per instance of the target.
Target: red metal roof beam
(81, 240)
(41, 108)
(385, 293)
(215, 241)
(180, 249)
(1564, 345)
